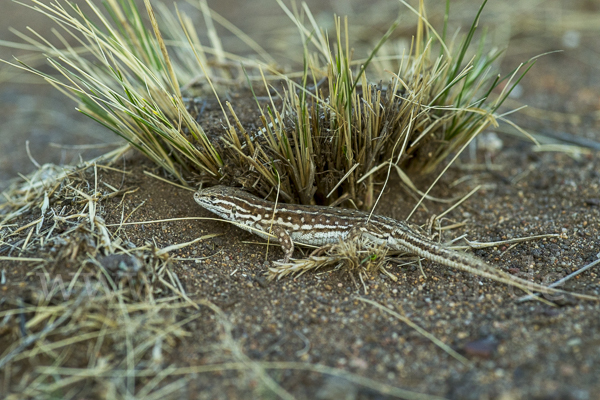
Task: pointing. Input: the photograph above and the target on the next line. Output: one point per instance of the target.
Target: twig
(482, 245)
(560, 281)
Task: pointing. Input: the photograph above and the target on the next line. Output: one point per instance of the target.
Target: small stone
(359, 363)
(337, 388)
(483, 348)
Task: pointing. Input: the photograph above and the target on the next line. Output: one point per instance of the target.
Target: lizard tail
(464, 262)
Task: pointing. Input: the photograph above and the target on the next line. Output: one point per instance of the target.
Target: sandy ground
(517, 350)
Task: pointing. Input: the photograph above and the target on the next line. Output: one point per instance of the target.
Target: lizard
(315, 225)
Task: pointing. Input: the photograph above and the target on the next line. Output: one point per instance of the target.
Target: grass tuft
(330, 132)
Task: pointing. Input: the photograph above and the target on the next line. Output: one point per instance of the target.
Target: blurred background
(561, 91)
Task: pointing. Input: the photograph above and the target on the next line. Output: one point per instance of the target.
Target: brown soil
(518, 350)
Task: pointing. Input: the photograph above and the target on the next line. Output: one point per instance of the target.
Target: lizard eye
(233, 209)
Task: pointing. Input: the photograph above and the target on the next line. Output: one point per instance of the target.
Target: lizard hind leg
(368, 232)
(321, 250)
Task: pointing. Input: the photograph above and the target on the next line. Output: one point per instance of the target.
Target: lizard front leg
(285, 241)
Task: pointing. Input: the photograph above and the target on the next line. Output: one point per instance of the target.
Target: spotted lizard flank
(287, 224)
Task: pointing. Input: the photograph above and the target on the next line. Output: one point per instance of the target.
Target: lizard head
(212, 195)
(221, 200)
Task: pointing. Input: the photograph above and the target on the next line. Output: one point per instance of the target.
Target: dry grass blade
(423, 332)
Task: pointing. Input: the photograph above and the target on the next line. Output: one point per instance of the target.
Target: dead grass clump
(99, 332)
(88, 299)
